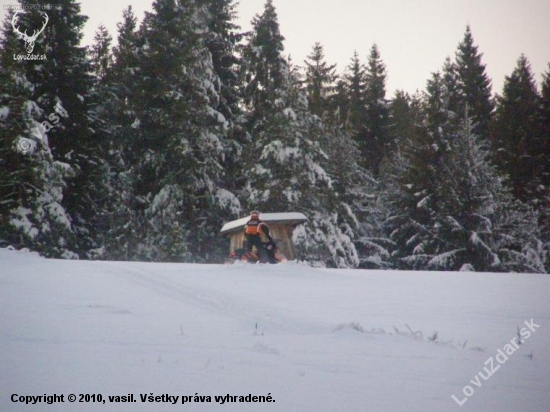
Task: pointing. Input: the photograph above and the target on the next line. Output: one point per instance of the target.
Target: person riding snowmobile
(253, 231)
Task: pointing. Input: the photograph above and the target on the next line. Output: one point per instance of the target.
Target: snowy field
(305, 339)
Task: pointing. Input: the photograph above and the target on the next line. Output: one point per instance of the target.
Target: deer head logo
(29, 40)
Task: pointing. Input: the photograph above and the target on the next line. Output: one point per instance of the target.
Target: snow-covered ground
(307, 339)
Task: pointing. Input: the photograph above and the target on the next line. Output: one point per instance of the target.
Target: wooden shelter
(281, 226)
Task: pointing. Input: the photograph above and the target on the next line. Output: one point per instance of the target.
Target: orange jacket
(254, 228)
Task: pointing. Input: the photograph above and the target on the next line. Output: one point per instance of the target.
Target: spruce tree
(355, 116)
(474, 85)
(110, 111)
(32, 214)
(284, 160)
(376, 111)
(339, 103)
(440, 119)
(358, 212)
(545, 94)
(451, 210)
(545, 141)
(410, 175)
(101, 56)
(122, 220)
(405, 118)
(517, 132)
(122, 80)
(224, 41)
(543, 192)
(266, 69)
(64, 81)
(179, 132)
(320, 81)
(124, 54)
(450, 83)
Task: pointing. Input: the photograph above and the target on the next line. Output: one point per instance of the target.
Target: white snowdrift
(312, 339)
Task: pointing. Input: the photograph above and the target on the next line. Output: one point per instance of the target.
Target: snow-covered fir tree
(266, 70)
(224, 41)
(360, 212)
(32, 214)
(108, 113)
(521, 147)
(63, 81)
(177, 136)
(451, 210)
(441, 119)
(284, 158)
(113, 116)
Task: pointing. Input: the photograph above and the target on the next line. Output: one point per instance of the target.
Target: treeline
(188, 122)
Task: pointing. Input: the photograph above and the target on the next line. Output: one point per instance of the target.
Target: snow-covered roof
(289, 217)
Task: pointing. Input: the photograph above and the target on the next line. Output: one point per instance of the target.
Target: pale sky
(414, 36)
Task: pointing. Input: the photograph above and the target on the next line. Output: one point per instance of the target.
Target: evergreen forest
(142, 145)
